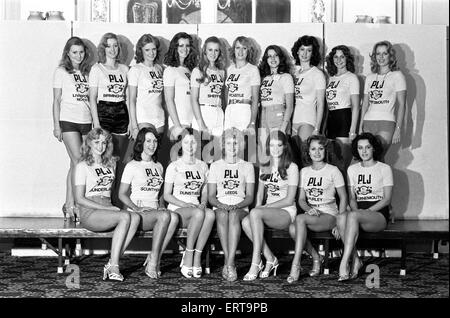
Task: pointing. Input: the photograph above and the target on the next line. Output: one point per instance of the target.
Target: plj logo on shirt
(266, 92)
(363, 190)
(375, 94)
(115, 88)
(331, 94)
(192, 185)
(158, 84)
(154, 182)
(315, 192)
(232, 87)
(81, 88)
(272, 188)
(216, 88)
(102, 184)
(230, 184)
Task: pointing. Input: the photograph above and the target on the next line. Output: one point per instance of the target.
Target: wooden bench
(44, 228)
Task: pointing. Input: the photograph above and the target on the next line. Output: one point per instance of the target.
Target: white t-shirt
(231, 178)
(240, 81)
(339, 90)
(277, 188)
(179, 77)
(320, 185)
(111, 84)
(74, 106)
(306, 85)
(382, 90)
(146, 179)
(149, 83)
(274, 87)
(97, 178)
(187, 179)
(209, 92)
(369, 182)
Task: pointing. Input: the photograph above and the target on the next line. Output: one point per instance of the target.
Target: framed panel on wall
(144, 11)
(234, 11)
(184, 11)
(100, 11)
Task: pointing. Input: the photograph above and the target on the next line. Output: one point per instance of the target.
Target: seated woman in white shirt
(231, 184)
(370, 185)
(186, 192)
(144, 175)
(280, 178)
(94, 176)
(318, 185)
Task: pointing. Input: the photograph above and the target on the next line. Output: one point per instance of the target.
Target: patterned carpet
(36, 277)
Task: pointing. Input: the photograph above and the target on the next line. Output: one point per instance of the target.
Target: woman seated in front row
(280, 177)
(370, 185)
(231, 184)
(145, 176)
(318, 184)
(186, 192)
(94, 175)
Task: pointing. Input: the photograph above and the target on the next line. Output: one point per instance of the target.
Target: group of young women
(194, 89)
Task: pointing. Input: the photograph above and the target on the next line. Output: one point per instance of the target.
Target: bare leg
(72, 141)
(234, 226)
(222, 231)
(193, 219)
(203, 236)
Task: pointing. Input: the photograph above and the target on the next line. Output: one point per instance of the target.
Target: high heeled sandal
(147, 260)
(232, 273)
(249, 277)
(186, 271)
(110, 275)
(225, 272)
(356, 269)
(344, 277)
(293, 277)
(274, 263)
(317, 266)
(197, 271)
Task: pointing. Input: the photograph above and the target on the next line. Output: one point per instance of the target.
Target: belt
(210, 105)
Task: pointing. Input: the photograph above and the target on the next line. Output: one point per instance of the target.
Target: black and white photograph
(234, 156)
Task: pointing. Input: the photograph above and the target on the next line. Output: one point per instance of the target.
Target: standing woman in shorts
(207, 82)
(145, 82)
(242, 87)
(181, 58)
(94, 176)
(370, 191)
(384, 88)
(107, 90)
(342, 94)
(186, 192)
(318, 184)
(231, 184)
(72, 118)
(144, 176)
(276, 93)
(279, 177)
(309, 84)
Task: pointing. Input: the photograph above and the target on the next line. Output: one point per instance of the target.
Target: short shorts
(230, 200)
(85, 213)
(238, 116)
(113, 116)
(367, 204)
(338, 123)
(67, 126)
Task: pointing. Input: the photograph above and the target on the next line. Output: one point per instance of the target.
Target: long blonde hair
(108, 160)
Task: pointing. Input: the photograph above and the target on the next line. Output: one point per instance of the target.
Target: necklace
(384, 75)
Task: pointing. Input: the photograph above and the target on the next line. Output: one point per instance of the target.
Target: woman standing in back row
(309, 84)
(383, 89)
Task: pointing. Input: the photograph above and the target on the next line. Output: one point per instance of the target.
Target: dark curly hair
(143, 41)
(264, 68)
(374, 67)
(322, 140)
(172, 59)
(65, 60)
(307, 40)
(374, 141)
(139, 144)
(285, 160)
(349, 60)
(104, 43)
(251, 50)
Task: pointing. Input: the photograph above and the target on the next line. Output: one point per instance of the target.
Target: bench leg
(66, 253)
(78, 247)
(403, 259)
(435, 249)
(326, 270)
(60, 262)
(208, 252)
